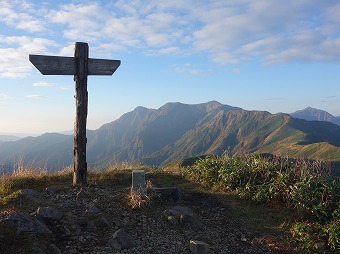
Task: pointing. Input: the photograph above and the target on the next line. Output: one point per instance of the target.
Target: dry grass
(139, 200)
(29, 177)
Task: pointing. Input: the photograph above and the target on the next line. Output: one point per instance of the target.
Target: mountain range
(176, 131)
(4, 138)
(313, 114)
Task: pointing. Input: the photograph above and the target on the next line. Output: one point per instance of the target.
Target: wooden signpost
(80, 66)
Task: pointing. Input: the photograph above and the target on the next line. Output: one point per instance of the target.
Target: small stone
(179, 215)
(37, 250)
(93, 210)
(103, 223)
(199, 247)
(32, 195)
(67, 231)
(72, 251)
(53, 249)
(121, 240)
(49, 213)
(82, 194)
(50, 190)
(243, 238)
(172, 220)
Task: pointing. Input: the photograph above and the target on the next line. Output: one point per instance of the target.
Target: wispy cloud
(36, 96)
(14, 51)
(43, 84)
(234, 70)
(65, 88)
(22, 15)
(4, 97)
(192, 70)
(229, 32)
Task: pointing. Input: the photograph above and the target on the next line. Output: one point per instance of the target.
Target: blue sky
(257, 55)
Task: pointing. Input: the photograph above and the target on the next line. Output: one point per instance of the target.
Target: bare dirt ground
(92, 214)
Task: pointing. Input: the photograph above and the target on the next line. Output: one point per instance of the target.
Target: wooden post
(80, 66)
(81, 55)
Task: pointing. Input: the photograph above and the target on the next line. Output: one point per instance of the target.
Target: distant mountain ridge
(5, 138)
(176, 131)
(313, 114)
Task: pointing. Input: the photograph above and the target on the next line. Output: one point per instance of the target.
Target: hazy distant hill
(6, 138)
(313, 114)
(176, 131)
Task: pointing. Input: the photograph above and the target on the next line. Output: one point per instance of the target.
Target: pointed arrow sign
(60, 65)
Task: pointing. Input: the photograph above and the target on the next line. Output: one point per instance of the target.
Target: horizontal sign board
(60, 65)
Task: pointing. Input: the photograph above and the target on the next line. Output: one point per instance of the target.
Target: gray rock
(24, 223)
(71, 251)
(32, 195)
(121, 240)
(179, 215)
(91, 225)
(53, 249)
(51, 190)
(37, 250)
(83, 195)
(165, 194)
(103, 223)
(49, 213)
(199, 247)
(93, 209)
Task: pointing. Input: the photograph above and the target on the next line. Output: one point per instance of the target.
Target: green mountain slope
(254, 131)
(176, 131)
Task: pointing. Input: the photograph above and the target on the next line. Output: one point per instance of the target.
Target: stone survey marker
(80, 66)
(138, 182)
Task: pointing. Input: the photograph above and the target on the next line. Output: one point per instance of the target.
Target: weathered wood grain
(60, 65)
(80, 66)
(80, 165)
(54, 65)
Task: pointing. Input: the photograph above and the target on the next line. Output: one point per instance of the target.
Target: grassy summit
(248, 201)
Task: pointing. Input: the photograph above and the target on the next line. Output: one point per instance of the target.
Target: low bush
(305, 186)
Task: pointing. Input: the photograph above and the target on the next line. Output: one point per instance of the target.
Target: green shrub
(332, 230)
(303, 185)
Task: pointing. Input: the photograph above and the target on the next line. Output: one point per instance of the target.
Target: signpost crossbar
(80, 66)
(61, 65)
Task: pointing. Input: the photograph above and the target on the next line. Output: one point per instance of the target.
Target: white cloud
(83, 21)
(234, 70)
(36, 96)
(266, 30)
(164, 51)
(43, 84)
(14, 51)
(65, 88)
(229, 32)
(192, 70)
(67, 51)
(17, 14)
(106, 50)
(3, 96)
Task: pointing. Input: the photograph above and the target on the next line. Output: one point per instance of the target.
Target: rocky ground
(99, 219)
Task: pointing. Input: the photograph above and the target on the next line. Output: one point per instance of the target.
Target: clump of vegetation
(307, 187)
(139, 200)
